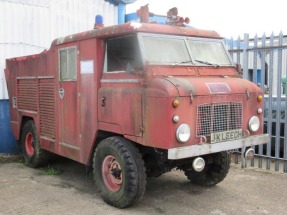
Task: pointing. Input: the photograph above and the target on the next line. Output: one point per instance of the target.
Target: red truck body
(74, 111)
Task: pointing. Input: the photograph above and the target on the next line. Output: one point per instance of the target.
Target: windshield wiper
(180, 62)
(208, 63)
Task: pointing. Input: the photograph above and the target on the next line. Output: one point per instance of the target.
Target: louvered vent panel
(47, 107)
(27, 94)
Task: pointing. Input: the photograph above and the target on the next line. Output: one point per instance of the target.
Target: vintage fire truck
(134, 101)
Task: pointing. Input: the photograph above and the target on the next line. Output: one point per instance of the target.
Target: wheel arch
(101, 135)
(23, 121)
(33, 154)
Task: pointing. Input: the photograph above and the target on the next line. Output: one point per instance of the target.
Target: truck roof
(133, 27)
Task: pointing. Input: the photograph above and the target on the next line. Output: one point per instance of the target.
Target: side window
(68, 64)
(122, 54)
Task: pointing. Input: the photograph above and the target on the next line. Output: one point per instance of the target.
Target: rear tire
(34, 156)
(119, 172)
(213, 173)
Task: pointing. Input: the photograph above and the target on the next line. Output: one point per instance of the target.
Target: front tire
(119, 172)
(213, 173)
(34, 155)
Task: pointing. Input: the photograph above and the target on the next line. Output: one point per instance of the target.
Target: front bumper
(206, 148)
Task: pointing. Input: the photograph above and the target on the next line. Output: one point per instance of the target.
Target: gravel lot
(68, 190)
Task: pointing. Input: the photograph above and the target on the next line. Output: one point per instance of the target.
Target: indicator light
(175, 103)
(259, 98)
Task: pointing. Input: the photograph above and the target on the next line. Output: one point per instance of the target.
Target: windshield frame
(185, 39)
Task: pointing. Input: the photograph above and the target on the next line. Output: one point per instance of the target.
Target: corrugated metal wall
(29, 26)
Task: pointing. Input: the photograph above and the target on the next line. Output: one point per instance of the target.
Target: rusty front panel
(120, 102)
(159, 128)
(27, 94)
(206, 71)
(235, 96)
(47, 107)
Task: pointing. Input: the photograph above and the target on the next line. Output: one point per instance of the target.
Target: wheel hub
(29, 144)
(116, 173)
(112, 173)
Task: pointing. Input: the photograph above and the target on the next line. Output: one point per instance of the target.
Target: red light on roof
(181, 19)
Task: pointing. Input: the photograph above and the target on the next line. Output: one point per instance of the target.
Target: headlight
(254, 124)
(183, 133)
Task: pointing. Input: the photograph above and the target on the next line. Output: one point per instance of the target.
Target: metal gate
(264, 62)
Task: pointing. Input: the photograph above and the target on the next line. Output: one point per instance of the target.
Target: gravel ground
(64, 188)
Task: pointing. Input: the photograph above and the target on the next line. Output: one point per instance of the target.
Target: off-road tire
(40, 157)
(213, 173)
(132, 187)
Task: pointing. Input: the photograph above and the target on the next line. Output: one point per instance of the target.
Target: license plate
(226, 136)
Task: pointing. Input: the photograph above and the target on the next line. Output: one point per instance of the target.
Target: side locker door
(68, 99)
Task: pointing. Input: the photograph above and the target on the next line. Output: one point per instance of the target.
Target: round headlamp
(183, 133)
(254, 124)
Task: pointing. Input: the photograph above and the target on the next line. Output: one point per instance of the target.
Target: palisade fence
(264, 61)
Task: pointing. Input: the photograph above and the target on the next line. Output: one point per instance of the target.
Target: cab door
(68, 97)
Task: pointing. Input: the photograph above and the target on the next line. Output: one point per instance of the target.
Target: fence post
(254, 75)
(262, 82)
(269, 110)
(245, 56)
(245, 76)
(278, 111)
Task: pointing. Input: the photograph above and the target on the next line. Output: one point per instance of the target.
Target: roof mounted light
(99, 21)
(187, 20)
(174, 19)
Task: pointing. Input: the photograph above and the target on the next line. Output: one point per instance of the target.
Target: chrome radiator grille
(218, 117)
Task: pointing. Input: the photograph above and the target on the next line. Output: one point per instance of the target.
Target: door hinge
(191, 97)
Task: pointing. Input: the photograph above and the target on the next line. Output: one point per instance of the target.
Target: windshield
(212, 52)
(160, 50)
(176, 50)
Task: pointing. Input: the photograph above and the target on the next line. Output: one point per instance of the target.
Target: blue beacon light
(99, 22)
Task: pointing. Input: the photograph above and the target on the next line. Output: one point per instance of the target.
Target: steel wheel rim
(29, 144)
(112, 173)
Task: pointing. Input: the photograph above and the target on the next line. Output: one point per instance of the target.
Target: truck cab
(134, 101)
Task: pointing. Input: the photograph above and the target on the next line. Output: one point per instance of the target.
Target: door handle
(103, 101)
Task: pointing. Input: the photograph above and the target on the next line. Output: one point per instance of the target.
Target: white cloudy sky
(227, 17)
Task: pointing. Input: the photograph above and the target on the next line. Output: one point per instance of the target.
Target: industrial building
(29, 26)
